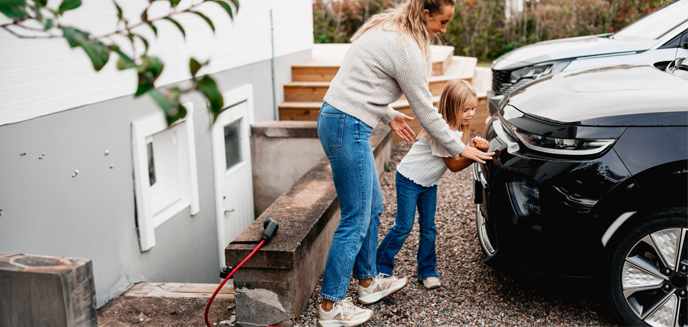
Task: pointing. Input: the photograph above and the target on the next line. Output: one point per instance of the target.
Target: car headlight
(531, 72)
(561, 146)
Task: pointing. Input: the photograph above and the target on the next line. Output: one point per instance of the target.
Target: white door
(232, 161)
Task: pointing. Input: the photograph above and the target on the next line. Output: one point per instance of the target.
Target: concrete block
(46, 291)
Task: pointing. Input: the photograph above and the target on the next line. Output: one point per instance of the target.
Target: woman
(389, 56)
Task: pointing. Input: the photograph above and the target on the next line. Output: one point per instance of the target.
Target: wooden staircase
(311, 79)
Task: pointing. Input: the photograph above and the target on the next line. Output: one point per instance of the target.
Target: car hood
(570, 48)
(625, 95)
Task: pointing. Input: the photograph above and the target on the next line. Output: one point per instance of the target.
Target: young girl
(417, 177)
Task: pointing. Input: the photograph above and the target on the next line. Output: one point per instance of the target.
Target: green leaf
(226, 6)
(98, 52)
(149, 70)
(153, 64)
(162, 101)
(236, 4)
(119, 10)
(41, 3)
(194, 66)
(207, 20)
(177, 24)
(145, 42)
(13, 9)
(69, 5)
(169, 104)
(48, 24)
(208, 87)
(155, 29)
(124, 62)
(74, 36)
(145, 83)
(174, 3)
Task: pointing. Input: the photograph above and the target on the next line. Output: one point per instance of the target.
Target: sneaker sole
(343, 323)
(372, 298)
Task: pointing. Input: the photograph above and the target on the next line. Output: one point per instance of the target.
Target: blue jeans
(346, 141)
(409, 196)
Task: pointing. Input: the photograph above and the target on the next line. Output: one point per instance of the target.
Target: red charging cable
(207, 307)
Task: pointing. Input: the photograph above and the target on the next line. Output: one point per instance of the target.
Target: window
(164, 172)
(233, 144)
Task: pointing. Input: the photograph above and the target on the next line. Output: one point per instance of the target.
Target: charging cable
(270, 225)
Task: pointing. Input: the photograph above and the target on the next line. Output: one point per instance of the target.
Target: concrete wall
(44, 76)
(282, 151)
(47, 211)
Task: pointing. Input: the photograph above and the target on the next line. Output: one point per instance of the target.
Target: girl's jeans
(410, 195)
(346, 141)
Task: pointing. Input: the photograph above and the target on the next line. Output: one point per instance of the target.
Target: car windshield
(656, 24)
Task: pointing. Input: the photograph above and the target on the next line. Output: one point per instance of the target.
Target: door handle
(229, 211)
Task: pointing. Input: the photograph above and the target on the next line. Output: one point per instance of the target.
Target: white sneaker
(344, 313)
(380, 287)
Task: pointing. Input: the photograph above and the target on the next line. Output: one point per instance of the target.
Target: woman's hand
(399, 126)
(475, 154)
(480, 143)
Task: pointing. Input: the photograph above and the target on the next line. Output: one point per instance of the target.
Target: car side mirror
(684, 45)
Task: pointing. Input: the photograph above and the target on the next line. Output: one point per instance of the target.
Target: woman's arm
(411, 75)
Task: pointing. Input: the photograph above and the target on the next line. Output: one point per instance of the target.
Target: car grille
(499, 77)
(501, 83)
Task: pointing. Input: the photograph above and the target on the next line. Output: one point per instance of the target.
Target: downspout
(272, 68)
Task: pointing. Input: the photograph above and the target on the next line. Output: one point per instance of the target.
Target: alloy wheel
(654, 278)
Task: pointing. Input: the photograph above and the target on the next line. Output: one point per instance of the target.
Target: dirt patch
(163, 312)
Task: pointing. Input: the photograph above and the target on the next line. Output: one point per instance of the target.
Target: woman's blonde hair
(454, 97)
(409, 18)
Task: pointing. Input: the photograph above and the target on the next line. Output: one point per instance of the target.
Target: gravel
(472, 294)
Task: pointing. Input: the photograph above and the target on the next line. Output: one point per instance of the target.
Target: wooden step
(482, 81)
(327, 58)
(308, 110)
(441, 58)
(176, 290)
(305, 91)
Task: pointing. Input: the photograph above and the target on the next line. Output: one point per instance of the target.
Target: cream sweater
(379, 67)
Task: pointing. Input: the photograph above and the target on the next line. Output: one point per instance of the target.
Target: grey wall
(92, 215)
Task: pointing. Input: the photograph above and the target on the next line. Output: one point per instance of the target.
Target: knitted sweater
(379, 67)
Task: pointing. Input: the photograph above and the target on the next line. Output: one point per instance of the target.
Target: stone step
(327, 58)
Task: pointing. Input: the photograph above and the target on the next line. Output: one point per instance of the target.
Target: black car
(590, 179)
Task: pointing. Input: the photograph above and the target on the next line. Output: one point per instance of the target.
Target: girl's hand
(399, 126)
(480, 143)
(476, 155)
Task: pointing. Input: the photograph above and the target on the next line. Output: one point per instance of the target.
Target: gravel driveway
(472, 293)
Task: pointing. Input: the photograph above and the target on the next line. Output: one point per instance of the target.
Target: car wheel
(647, 279)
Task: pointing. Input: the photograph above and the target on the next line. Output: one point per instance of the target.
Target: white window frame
(147, 220)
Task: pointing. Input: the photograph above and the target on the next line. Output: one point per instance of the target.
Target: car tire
(645, 283)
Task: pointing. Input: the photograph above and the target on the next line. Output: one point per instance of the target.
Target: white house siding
(58, 116)
(44, 76)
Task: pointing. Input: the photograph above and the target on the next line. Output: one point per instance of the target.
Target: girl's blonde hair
(409, 18)
(454, 97)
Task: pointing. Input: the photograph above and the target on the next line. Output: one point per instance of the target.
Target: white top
(423, 164)
(378, 68)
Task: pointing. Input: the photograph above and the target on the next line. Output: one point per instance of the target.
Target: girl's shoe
(380, 287)
(343, 314)
(431, 283)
